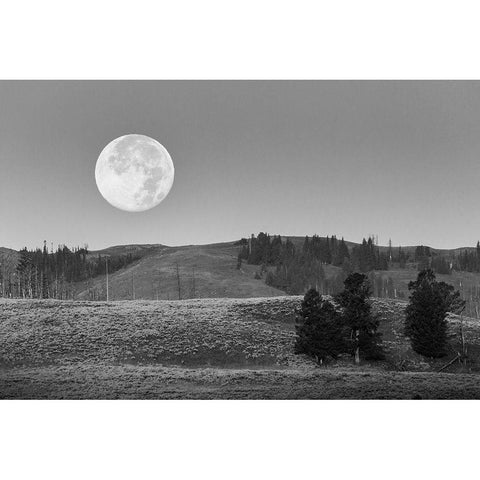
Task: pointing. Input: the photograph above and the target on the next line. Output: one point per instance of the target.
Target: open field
(156, 382)
(207, 348)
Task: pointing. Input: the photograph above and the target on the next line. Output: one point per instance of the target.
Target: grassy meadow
(207, 348)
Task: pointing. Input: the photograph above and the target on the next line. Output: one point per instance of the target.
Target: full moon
(134, 173)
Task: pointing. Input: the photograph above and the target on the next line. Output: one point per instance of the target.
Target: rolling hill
(204, 271)
(210, 271)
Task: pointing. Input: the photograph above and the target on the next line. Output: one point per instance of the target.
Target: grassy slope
(211, 268)
(233, 348)
(222, 332)
(216, 274)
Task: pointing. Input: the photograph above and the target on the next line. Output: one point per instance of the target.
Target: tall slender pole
(193, 281)
(178, 282)
(133, 288)
(106, 271)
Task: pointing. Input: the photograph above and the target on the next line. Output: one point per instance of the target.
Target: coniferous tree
(356, 311)
(43, 274)
(319, 328)
(425, 322)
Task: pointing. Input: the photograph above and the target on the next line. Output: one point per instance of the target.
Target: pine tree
(425, 322)
(319, 328)
(356, 311)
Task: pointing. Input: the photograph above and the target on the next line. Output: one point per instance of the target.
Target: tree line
(285, 266)
(40, 273)
(464, 261)
(295, 269)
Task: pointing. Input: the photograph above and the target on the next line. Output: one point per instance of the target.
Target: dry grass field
(206, 348)
(205, 271)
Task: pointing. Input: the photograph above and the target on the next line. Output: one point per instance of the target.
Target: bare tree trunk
(464, 346)
(357, 347)
(193, 281)
(106, 273)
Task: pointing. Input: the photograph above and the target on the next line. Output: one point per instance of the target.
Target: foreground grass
(156, 382)
(218, 332)
(205, 348)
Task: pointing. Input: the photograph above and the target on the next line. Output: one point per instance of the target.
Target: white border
(249, 39)
(238, 439)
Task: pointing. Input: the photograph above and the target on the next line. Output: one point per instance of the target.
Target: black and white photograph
(240, 240)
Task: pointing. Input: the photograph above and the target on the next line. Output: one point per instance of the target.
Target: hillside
(214, 268)
(205, 271)
(208, 348)
(210, 271)
(8, 257)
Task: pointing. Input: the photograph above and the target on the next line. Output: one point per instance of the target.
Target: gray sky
(398, 159)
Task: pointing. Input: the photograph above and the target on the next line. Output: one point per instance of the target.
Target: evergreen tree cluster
(328, 328)
(469, 260)
(367, 257)
(347, 325)
(326, 250)
(265, 249)
(43, 274)
(294, 270)
(466, 260)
